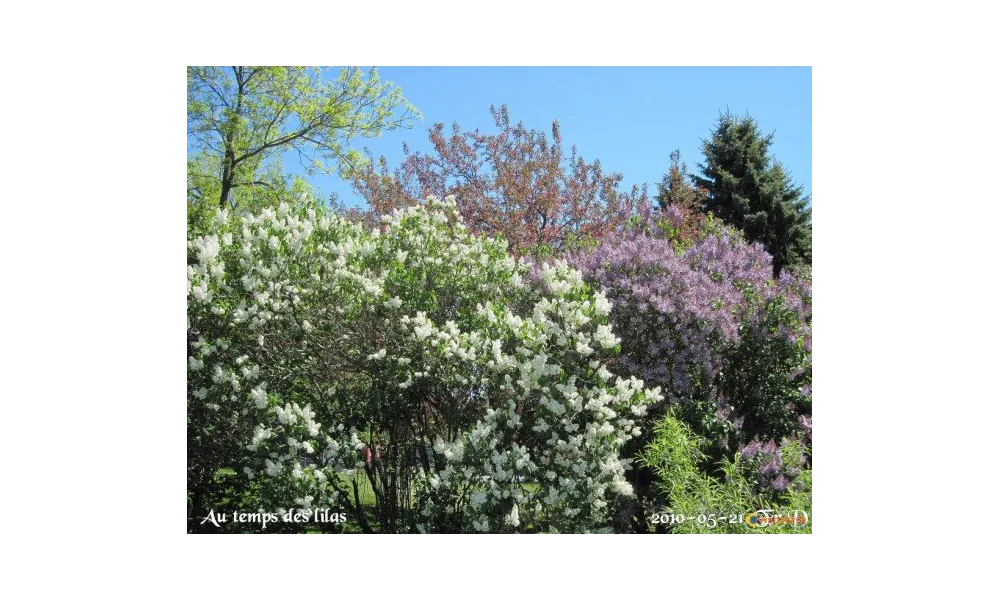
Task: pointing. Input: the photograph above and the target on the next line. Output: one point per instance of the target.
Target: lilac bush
(700, 314)
(673, 323)
(776, 466)
(678, 307)
(414, 357)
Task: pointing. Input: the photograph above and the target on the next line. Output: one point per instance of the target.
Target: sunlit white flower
(602, 304)
(513, 519)
(259, 397)
(604, 337)
(208, 249)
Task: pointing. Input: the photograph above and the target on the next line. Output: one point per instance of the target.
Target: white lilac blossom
(259, 397)
(288, 304)
(513, 519)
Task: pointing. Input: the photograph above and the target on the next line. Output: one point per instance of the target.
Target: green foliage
(748, 189)
(769, 372)
(273, 187)
(243, 119)
(687, 486)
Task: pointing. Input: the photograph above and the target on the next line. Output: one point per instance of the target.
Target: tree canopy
(241, 118)
(516, 183)
(748, 189)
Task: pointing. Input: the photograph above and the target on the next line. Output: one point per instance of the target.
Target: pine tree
(748, 189)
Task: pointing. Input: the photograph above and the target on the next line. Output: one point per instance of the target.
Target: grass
(365, 493)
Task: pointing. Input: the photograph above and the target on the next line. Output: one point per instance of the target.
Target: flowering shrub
(678, 303)
(768, 379)
(700, 314)
(471, 396)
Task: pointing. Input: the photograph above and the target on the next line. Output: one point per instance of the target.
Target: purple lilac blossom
(681, 306)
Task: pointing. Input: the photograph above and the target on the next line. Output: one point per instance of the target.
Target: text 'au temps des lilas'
(297, 515)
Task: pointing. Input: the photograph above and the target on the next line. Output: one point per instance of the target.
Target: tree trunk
(227, 179)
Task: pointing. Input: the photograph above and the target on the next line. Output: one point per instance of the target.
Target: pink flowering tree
(515, 183)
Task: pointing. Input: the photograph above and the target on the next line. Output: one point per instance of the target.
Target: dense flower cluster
(701, 315)
(677, 308)
(776, 466)
(564, 422)
(314, 341)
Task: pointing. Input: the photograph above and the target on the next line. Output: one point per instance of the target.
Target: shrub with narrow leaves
(471, 396)
(719, 495)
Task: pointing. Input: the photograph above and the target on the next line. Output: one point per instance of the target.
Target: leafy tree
(748, 189)
(514, 183)
(270, 186)
(676, 189)
(242, 118)
(276, 187)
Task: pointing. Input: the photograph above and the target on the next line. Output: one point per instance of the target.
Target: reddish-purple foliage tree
(514, 183)
(675, 188)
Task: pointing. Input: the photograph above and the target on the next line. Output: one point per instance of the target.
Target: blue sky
(629, 118)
